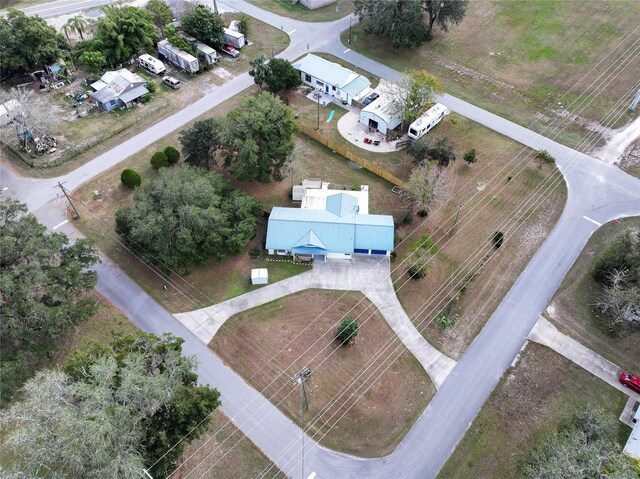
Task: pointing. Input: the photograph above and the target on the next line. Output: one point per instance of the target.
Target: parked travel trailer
(179, 58)
(428, 120)
(152, 64)
(235, 39)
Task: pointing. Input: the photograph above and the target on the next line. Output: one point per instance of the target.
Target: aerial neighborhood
(320, 239)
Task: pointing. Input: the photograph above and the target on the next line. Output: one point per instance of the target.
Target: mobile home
(179, 58)
(428, 120)
(235, 39)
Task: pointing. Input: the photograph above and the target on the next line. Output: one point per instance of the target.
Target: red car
(630, 381)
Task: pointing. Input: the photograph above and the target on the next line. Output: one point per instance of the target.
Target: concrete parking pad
(369, 275)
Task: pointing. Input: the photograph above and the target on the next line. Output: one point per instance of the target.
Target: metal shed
(259, 276)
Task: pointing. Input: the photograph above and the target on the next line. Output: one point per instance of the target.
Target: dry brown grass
(571, 309)
(530, 402)
(374, 423)
(228, 455)
(482, 214)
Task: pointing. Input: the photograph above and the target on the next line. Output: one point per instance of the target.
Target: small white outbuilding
(259, 276)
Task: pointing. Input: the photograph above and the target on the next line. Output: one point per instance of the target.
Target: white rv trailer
(427, 120)
(152, 64)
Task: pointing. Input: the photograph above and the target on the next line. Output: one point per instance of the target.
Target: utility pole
(318, 122)
(74, 212)
(215, 6)
(349, 29)
(300, 380)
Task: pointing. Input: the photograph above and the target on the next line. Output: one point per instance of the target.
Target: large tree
(200, 142)
(43, 286)
(427, 187)
(258, 138)
(123, 32)
(444, 12)
(580, 449)
(186, 216)
(27, 43)
(412, 93)
(160, 12)
(281, 75)
(205, 25)
(111, 412)
(401, 21)
(404, 22)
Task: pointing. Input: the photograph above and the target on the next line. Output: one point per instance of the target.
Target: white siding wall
(365, 116)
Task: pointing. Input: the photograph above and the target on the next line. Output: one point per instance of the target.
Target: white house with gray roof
(120, 88)
(332, 79)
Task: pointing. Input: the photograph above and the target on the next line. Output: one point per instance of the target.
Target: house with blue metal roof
(332, 79)
(336, 230)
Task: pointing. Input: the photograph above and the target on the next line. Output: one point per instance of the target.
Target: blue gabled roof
(310, 239)
(341, 204)
(298, 228)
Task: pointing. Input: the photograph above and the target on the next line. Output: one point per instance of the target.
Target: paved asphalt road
(598, 191)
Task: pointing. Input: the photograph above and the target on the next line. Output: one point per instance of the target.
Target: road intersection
(597, 191)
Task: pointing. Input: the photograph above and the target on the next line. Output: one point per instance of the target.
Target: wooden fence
(350, 155)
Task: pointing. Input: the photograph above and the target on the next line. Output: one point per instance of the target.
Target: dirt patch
(372, 424)
(532, 400)
(571, 309)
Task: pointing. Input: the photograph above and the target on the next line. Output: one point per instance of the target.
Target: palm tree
(78, 25)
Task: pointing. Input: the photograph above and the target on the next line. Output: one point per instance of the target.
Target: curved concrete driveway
(368, 274)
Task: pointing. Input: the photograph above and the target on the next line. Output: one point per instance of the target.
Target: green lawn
(531, 401)
(286, 8)
(518, 58)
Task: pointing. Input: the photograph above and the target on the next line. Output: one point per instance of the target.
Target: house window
(334, 88)
(281, 252)
(319, 83)
(112, 102)
(307, 78)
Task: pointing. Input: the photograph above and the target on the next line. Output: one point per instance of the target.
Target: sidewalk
(370, 275)
(546, 334)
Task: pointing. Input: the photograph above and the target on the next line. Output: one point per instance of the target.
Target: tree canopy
(258, 138)
(43, 284)
(281, 75)
(259, 70)
(123, 32)
(617, 270)
(580, 449)
(27, 43)
(413, 92)
(160, 13)
(404, 22)
(427, 187)
(186, 216)
(201, 141)
(205, 25)
(110, 412)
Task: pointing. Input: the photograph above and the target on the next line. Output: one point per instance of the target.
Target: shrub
(498, 238)
(417, 271)
(130, 178)
(159, 160)
(543, 156)
(146, 98)
(470, 157)
(173, 155)
(407, 219)
(254, 253)
(151, 86)
(443, 321)
(347, 331)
